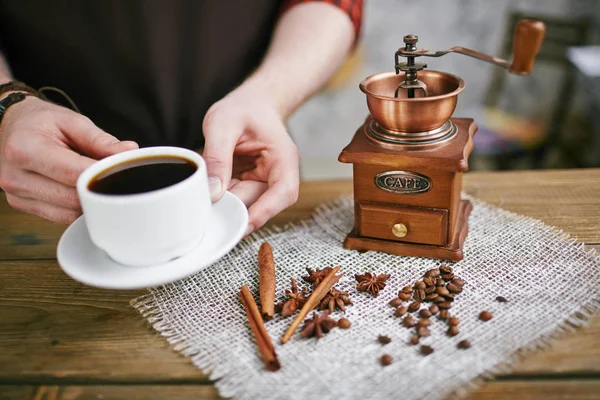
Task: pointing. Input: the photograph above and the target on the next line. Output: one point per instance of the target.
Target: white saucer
(84, 262)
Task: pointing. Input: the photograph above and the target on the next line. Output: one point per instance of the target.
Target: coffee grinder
(409, 155)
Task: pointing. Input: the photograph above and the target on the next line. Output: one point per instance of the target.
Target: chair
(509, 138)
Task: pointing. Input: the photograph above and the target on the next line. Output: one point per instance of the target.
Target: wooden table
(62, 340)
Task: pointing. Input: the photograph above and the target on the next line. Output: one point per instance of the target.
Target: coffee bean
(429, 281)
(431, 297)
(449, 297)
(448, 277)
(440, 282)
(408, 321)
(414, 306)
(425, 313)
(400, 311)
(423, 331)
(439, 300)
(406, 289)
(458, 281)
(501, 299)
(404, 296)
(445, 305)
(383, 339)
(444, 314)
(433, 273)
(414, 340)
(442, 291)
(454, 288)
(426, 350)
(424, 322)
(344, 323)
(445, 269)
(463, 344)
(453, 321)
(434, 309)
(396, 302)
(420, 285)
(386, 360)
(452, 330)
(419, 295)
(485, 315)
(430, 290)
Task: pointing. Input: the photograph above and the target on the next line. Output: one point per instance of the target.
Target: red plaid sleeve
(354, 9)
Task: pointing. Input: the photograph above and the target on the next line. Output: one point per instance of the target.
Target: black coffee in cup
(142, 175)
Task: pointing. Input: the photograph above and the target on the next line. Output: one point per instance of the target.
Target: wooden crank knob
(529, 34)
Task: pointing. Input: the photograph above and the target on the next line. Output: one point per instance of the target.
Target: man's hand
(43, 149)
(249, 152)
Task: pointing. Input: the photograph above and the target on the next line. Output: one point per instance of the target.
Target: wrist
(272, 90)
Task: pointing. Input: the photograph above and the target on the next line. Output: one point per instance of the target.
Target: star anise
(315, 277)
(335, 298)
(296, 300)
(318, 325)
(371, 283)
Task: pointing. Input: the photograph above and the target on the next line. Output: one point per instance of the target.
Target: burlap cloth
(551, 283)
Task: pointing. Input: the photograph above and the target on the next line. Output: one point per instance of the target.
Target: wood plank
(568, 199)
(109, 392)
(53, 328)
(522, 390)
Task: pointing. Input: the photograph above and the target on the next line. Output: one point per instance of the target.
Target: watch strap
(11, 99)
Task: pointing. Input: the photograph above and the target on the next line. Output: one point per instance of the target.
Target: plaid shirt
(354, 9)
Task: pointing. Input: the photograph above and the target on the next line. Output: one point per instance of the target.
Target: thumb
(220, 141)
(91, 140)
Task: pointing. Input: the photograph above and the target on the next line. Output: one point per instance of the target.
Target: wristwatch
(9, 100)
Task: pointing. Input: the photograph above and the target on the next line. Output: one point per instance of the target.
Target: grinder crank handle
(529, 34)
(528, 38)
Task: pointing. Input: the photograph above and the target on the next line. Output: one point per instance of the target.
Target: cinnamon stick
(263, 340)
(313, 301)
(266, 274)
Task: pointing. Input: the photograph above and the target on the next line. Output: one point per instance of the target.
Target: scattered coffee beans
(386, 360)
(384, 339)
(429, 281)
(414, 306)
(396, 303)
(444, 314)
(454, 288)
(434, 309)
(424, 313)
(408, 321)
(458, 281)
(440, 282)
(424, 322)
(485, 315)
(448, 277)
(406, 289)
(445, 305)
(463, 344)
(400, 311)
(426, 350)
(423, 331)
(414, 340)
(420, 285)
(442, 291)
(453, 321)
(344, 323)
(501, 299)
(445, 269)
(433, 273)
(404, 296)
(452, 330)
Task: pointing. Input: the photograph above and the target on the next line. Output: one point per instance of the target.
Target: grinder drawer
(403, 223)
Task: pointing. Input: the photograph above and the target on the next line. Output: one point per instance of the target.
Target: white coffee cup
(148, 228)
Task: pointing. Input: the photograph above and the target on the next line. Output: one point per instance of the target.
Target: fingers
(283, 192)
(44, 210)
(31, 185)
(221, 135)
(91, 140)
(59, 164)
(249, 191)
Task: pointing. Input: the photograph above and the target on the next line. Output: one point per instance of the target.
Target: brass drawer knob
(399, 230)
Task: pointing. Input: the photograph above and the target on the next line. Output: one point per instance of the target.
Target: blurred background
(549, 119)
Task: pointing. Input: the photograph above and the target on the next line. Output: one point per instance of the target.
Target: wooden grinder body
(388, 218)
